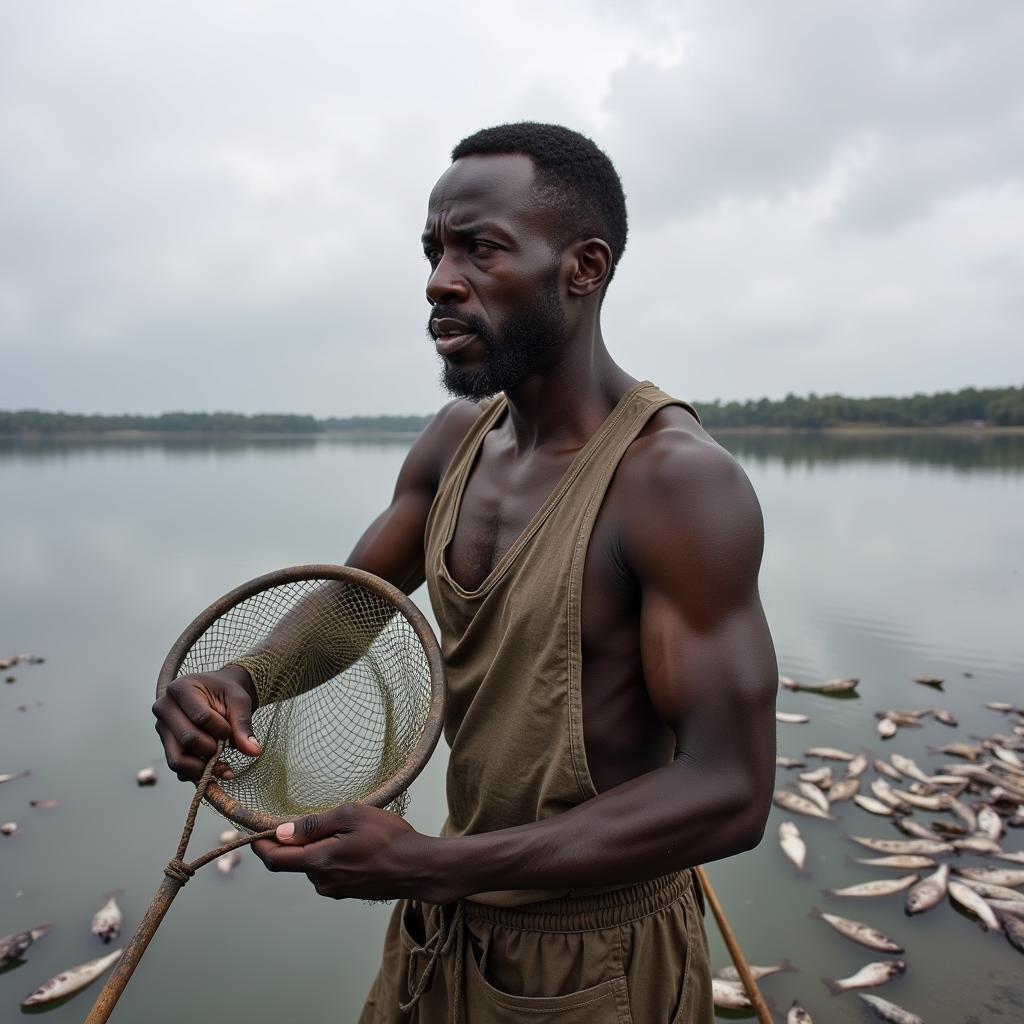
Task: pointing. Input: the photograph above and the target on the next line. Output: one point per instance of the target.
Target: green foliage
(999, 406)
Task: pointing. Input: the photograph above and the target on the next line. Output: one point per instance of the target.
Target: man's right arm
(198, 710)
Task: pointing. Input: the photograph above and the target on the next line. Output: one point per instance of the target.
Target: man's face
(494, 289)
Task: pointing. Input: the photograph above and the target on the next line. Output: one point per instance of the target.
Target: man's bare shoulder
(434, 448)
(684, 505)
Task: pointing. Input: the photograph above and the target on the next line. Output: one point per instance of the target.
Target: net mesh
(344, 693)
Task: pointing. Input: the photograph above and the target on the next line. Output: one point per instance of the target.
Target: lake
(886, 558)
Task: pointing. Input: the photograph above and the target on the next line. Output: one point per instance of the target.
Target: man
(592, 558)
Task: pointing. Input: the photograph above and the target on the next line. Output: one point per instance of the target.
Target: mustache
(475, 324)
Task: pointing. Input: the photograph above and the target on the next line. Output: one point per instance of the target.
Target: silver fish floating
(1013, 858)
(798, 1015)
(227, 862)
(876, 887)
(944, 716)
(799, 804)
(788, 762)
(12, 946)
(857, 932)
(976, 844)
(792, 843)
(731, 974)
(1014, 928)
(968, 751)
(818, 776)
(997, 876)
(905, 862)
(830, 686)
(926, 847)
(106, 922)
(929, 892)
(71, 980)
(146, 776)
(999, 705)
(884, 768)
(8, 828)
(729, 995)
(887, 795)
(991, 891)
(11, 776)
(791, 717)
(869, 976)
(871, 805)
(857, 767)
(229, 835)
(828, 753)
(815, 795)
(890, 1011)
(970, 900)
(913, 828)
(907, 766)
(990, 825)
(933, 681)
(843, 789)
(887, 728)
(938, 802)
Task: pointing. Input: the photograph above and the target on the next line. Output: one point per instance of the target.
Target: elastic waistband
(586, 913)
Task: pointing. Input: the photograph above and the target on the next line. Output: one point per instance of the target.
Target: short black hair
(580, 181)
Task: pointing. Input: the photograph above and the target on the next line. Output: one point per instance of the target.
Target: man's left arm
(693, 540)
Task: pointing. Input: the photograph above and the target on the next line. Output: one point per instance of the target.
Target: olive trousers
(637, 955)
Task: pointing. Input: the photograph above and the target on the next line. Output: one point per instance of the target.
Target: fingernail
(228, 774)
(252, 739)
(286, 831)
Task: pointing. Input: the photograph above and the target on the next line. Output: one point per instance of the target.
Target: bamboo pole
(756, 999)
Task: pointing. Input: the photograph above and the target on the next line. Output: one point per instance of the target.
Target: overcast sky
(218, 205)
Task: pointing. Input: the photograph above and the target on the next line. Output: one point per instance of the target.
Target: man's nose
(445, 284)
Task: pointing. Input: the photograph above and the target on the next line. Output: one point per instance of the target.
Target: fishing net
(344, 689)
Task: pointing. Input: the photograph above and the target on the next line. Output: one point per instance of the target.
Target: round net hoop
(351, 683)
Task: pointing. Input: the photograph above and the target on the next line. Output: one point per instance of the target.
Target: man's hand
(197, 711)
(352, 851)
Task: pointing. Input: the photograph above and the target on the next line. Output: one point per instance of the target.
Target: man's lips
(450, 335)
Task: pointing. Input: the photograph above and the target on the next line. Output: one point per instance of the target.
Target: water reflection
(964, 453)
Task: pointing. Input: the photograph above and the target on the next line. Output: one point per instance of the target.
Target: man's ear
(591, 262)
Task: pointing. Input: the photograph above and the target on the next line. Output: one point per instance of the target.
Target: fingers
(314, 827)
(281, 858)
(239, 710)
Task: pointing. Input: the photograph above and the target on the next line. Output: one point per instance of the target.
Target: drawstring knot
(445, 937)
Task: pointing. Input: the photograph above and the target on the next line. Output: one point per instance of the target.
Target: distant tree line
(1001, 407)
(997, 406)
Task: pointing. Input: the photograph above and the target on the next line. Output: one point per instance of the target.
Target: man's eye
(478, 246)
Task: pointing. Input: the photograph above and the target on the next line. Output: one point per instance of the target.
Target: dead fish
(890, 1011)
(46, 805)
(929, 892)
(106, 922)
(798, 1015)
(886, 728)
(907, 766)
(951, 829)
(991, 891)
(884, 768)
(999, 705)
(799, 804)
(904, 719)
(871, 805)
(229, 835)
(788, 762)
(997, 876)
(944, 716)
(972, 901)
(792, 843)
(933, 681)
(832, 686)
(731, 974)
(1014, 928)
(828, 753)
(12, 946)
(8, 828)
(815, 795)
(1014, 907)
(729, 995)
(71, 980)
(863, 934)
(968, 751)
(11, 776)
(876, 887)
(791, 717)
(818, 777)
(939, 802)
(857, 767)
(843, 789)
(887, 795)
(909, 827)
(787, 683)
(976, 844)
(146, 776)
(964, 813)
(926, 847)
(1013, 858)
(1007, 756)
(869, 976)
(904, 862)
(990, 825)
(227, 862)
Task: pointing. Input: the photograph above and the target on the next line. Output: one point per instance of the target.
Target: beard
(518, 348)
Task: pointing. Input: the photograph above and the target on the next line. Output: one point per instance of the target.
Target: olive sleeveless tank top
(512, 646)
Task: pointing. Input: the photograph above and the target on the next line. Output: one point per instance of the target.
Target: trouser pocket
(605, 1003)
